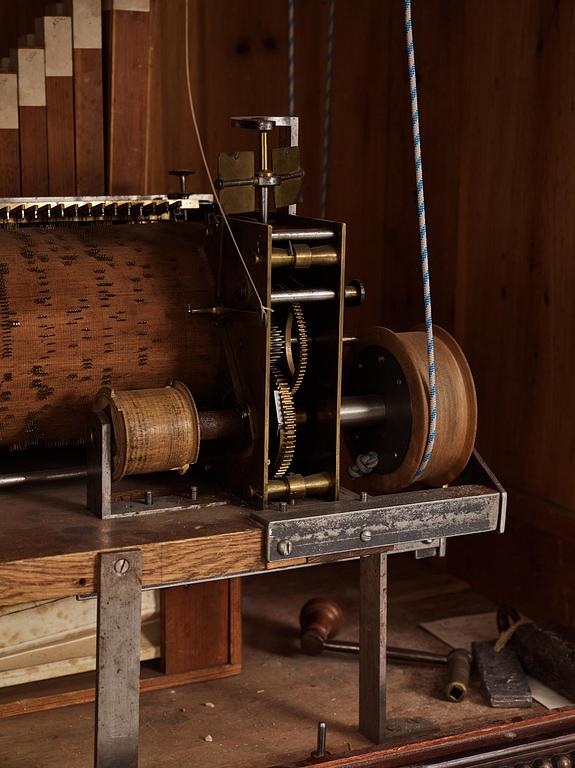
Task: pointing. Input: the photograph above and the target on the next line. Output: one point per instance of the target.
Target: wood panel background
(497, 88)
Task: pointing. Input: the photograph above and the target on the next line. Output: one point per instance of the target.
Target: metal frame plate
(325, 528)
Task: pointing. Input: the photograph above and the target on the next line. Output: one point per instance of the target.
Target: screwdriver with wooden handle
(322, 618)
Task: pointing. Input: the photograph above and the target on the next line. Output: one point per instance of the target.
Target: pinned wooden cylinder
(394, 366)
(154, 430)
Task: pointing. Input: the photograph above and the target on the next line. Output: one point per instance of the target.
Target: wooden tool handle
(320, 619)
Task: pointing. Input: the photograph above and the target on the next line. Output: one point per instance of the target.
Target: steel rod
(361, 410)
(302, 234)
(353, 294)
(42, 476)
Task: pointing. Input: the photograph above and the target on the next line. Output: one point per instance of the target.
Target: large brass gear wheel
(296, 319)
(287, 425)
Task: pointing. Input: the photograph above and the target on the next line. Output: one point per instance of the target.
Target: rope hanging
(422, 241)
(327, 108)
(361, 466)
(291, 57)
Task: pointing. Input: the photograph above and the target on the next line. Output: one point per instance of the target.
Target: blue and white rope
(364, 464)
(327, 108)
(423, 243)
(291, 57)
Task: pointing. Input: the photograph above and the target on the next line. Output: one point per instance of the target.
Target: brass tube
(319, 256)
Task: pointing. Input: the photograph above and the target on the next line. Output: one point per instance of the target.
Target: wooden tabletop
(49, 542)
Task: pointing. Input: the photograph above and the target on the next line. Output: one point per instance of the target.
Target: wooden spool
(456, 406)
(154, 430)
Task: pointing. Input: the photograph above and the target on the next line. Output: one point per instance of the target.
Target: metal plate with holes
(324, 528)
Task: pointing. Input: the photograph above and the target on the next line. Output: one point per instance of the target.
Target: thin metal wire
(327, 108)
(265, 310)
(291, 57)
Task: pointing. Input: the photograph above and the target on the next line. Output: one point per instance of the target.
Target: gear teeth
(277, 344)
(303, 348)
(288, 430)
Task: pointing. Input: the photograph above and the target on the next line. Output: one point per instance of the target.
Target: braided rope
(423, 243)
(364, 464)
(291, 57)
(327, 108)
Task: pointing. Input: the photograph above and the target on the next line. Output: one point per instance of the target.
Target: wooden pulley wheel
(154, 430)
(394, 366)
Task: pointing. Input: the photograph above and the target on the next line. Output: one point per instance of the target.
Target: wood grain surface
(60, 557)
(99, 306)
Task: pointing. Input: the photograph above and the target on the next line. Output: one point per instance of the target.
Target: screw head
(285, 547)
(122, 566)
(365, 535)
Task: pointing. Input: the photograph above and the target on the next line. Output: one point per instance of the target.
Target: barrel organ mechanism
(170, 336)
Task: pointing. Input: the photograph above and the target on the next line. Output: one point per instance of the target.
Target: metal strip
(372, 646)
(323, 528)
(118, 660)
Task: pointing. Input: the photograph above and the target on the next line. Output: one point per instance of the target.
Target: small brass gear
(296, 318)
(277, 344)
(287, 424)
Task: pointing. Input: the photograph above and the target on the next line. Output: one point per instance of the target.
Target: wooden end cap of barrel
(401, 359)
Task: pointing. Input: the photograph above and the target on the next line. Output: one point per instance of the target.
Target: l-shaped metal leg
(118, 659)
(372, 646)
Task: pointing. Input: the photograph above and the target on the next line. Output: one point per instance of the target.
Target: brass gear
(296, 317)
(277, 344)
(287, 430)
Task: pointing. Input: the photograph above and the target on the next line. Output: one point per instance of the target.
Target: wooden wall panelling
(17, 19)
(29, 60)
(496, 135)
(357, 146)
(9, 133)
(88, 97)
(54, 33)
(128, 45)
(238, 66)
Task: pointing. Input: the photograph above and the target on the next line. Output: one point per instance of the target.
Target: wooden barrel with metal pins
(394, 366)
(155, 430)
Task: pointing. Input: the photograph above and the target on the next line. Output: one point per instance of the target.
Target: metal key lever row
(321, 619)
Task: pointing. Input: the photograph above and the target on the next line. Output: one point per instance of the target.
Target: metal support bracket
(118, 659)
(99, 485)
(372, 646)
(323, 528)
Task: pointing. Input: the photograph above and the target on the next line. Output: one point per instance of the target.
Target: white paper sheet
(461, 631)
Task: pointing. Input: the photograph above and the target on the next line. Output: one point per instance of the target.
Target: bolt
(285, 547)
(320, 750)
(148, 498)
(122, 566)
(194, 492)
(292, 501)
(364, 496)
(365, 535)
(283, 506)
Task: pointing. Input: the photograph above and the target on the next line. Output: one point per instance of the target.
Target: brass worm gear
(296, 317)
(287, 429)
